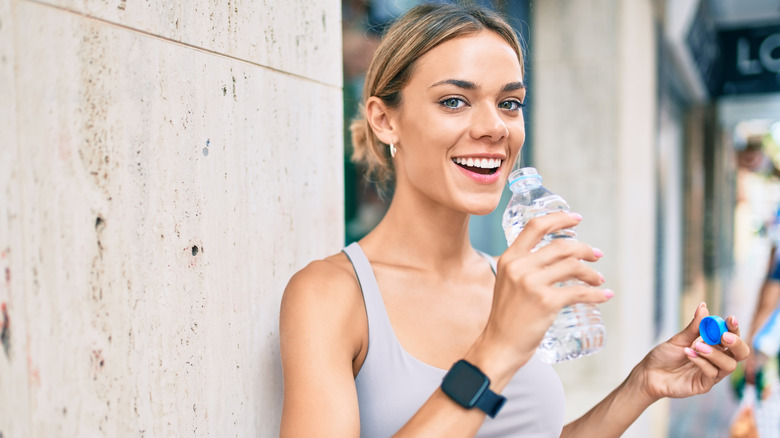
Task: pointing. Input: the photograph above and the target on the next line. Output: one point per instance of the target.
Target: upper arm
(319, 340)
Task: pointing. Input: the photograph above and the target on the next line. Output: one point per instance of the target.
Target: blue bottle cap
(712, 328)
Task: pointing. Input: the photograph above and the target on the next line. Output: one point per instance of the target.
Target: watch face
(464, 383)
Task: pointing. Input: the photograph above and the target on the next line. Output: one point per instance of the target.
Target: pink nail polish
(576, 216)
(729, 338)
(608, 293)
(734, 321)
(703, 348)
(690, 352)
(597, 252)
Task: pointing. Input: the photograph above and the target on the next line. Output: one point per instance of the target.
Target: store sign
(704, 48)
(751, 60)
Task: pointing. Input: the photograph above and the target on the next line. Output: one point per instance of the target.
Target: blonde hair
(413, 35)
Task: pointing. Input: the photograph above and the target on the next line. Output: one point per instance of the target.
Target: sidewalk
(710, 415)
(704, 416)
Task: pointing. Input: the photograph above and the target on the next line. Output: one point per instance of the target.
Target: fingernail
(576, 216)
(702, 347)
(597, 252)
(729, 338)
(601, 277)
(608, 293)
(734, 321)
(702, 304)
(690, 352)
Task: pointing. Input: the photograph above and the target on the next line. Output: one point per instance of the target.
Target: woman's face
(460, 125)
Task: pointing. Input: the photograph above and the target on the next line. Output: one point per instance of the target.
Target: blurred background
(659, 121)
(166, 167)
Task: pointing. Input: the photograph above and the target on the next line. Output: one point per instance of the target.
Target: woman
(368, 335)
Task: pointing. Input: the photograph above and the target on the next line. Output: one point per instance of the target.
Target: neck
(420, 232)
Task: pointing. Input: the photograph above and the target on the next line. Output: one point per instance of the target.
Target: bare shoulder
(322, 330)
(327, 280)
(323, 300)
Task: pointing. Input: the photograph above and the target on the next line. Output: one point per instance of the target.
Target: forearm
(440, 416)
(768, 300)
(613, 415)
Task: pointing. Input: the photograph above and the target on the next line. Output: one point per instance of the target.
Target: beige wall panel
(14, 395)
(302, 37)
(594, 132)
(589, 37)
(574, 114)
(636, 94)
(167, 195)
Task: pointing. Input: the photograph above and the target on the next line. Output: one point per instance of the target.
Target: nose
(488, 124)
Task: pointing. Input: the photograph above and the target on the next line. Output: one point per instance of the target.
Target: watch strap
(490, 402)
(480, 396)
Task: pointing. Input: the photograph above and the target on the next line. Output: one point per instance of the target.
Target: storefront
(632, 116)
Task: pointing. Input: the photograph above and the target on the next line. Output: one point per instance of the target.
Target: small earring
(393, 150)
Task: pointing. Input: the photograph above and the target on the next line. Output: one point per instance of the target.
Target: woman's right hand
(527, 299)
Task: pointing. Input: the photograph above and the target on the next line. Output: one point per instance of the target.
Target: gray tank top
(392, 384)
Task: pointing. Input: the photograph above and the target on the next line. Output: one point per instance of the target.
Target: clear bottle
(578, 330)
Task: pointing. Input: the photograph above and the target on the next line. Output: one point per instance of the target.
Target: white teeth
(484, 163)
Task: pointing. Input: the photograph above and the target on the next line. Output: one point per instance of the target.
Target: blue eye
(511, 105)
(452, 103)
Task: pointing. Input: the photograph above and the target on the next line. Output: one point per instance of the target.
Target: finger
(707, 368)
(691, 332)
(732, 324)
(738, 348)
(570, 269)
(538, 227)
(720, 359)
(580, 293)
(560, 249)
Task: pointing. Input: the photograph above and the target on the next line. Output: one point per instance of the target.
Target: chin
(483, 206)
(483, 211)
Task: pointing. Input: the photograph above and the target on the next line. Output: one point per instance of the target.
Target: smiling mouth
(483, 166)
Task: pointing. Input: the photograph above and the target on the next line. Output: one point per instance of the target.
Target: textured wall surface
(595, 140)
(166, 167)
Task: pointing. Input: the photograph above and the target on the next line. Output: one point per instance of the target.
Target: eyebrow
(468, 85)
(513, 86)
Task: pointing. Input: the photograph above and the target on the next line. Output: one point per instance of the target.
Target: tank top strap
(378, 322)
(490, 260)
(380, 330)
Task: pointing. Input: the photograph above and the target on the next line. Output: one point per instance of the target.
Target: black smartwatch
(467, 386)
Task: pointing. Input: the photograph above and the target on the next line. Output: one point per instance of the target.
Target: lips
(482, 166)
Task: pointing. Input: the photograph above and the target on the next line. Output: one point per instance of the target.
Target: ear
(380, 117)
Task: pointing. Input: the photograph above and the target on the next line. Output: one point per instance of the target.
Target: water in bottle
(578, 330)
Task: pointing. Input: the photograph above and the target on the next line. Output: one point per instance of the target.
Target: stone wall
(595, 125)
(166, 167)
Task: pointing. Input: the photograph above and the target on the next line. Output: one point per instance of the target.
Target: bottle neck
(525, 183)
(525, 175)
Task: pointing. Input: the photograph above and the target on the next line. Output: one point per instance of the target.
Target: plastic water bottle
(578, 330)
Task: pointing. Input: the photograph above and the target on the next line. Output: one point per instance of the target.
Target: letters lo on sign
(751, 60)
(768, 58)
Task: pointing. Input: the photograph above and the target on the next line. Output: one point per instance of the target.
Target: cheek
(517, 135)
(430, 136)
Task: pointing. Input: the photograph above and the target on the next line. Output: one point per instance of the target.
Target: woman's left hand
(684, 365)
